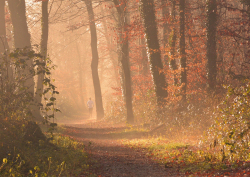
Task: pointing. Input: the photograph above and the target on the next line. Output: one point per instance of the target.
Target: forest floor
(110, 157)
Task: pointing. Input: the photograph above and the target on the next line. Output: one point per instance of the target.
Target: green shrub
(64, 157)
(22, 152)
(230, 131)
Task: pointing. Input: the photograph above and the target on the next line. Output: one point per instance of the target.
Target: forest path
(110, 158)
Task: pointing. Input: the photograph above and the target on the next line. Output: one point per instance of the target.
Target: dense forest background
(184, 64)
(179, 53)
(214, 53)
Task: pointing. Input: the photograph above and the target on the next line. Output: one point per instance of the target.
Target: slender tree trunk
(43, 50)
(121, 73)
(183, 51)
(172, 43)
(127, 75)
(121, 9)
(94, 64)
(211, 44)
(119, 53)
(150, 26)
(165, 15)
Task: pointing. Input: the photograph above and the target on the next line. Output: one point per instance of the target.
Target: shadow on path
(110, 158)
(104, 133)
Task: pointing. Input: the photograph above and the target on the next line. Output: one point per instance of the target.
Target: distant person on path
(90, 105)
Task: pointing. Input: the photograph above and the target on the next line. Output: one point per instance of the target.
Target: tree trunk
(154, 53)
(22, 40)
(43, 50)
(119, 53)
(211, 44)
(165, 15)
(94, 64)
(172, 43)
(20, 28)
(3, 41)
(183, 51)
(144, 57)
(121, 9)
(4, 44)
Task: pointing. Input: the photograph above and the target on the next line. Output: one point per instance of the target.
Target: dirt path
(111, 158)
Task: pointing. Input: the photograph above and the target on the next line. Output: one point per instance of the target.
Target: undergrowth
(24, 149)
(183, 157)
(225, 142)
(62, 157)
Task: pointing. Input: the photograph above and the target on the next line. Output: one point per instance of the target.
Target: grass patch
(62, 156)
(183, 157)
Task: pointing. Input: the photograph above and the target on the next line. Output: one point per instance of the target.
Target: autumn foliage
(183, 64)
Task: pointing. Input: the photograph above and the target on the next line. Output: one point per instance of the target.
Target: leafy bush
(197, 116)
(65, 157)
(17, 71)
(116, 111)
(231, 129)
(25, 153)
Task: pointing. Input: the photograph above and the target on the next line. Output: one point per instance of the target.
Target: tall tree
(211, 44)
(154, 54)
(165, 15)
(20, 28)
(122, 14)
(144, 56)
(43, 49)
(95, 58)
(3, 40)
(21, 41)
(183, 51)
(8, 75)
(172, 42)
